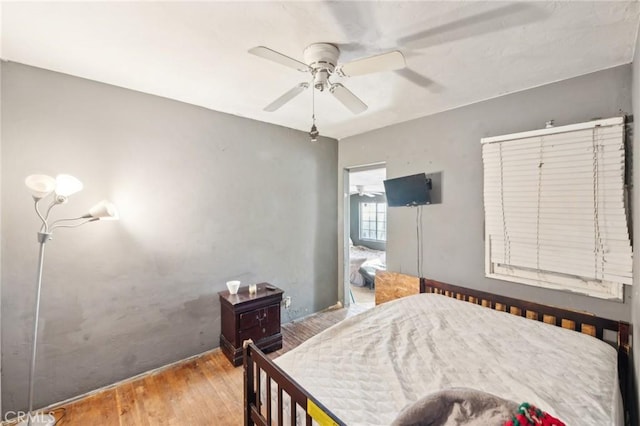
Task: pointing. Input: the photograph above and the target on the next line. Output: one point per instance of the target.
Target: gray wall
(635, 308)
(204, 198)
(453, 247)
(354, 214)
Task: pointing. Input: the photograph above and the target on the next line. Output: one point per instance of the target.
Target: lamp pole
(43, 237)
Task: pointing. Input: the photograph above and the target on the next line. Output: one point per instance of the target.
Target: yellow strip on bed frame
(318, 415)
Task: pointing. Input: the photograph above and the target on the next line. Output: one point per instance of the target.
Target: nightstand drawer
(263, 317)
(260, 332)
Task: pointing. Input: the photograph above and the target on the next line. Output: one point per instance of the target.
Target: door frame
(344, 284)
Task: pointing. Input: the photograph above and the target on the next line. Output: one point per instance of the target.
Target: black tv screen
(408, 190)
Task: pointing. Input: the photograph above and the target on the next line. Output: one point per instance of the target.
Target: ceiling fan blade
(272, 55)
(348, 99)
(385, 62)
(288, 95)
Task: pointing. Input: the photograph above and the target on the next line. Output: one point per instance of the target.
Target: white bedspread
(368, 367)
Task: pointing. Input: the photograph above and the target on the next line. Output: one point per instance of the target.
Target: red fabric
(530, 415)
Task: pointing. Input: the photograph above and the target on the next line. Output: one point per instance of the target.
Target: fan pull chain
(313, 133)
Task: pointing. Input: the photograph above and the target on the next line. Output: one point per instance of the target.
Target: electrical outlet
(287, 302)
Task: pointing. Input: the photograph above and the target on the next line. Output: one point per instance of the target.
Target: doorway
(366, 227)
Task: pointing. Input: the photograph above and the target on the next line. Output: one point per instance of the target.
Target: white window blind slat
(580, 248)
(528, 149)
(555, 203)
(601, 288)
(569, 174)
(581, 266)
(561, 155)
(562, 281)
(614, 249)
(617, 263)
(580, 256)
(576, 144)
(582, 224)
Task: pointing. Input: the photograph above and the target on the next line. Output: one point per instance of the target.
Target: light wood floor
(363, 295)
(201, 392)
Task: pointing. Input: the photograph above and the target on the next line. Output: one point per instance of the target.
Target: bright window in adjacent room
(373, 221)
(555, 208)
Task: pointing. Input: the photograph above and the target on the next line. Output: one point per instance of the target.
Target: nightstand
(250, 316)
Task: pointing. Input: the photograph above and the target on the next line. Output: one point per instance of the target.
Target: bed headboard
(574, 320)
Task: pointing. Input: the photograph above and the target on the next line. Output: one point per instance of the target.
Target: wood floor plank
(203, 391)
(205, 395)
(129, 408)
(180, 398)
(154, 406)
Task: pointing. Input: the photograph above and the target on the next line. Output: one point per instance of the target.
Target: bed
(364, 257)
(366, 369)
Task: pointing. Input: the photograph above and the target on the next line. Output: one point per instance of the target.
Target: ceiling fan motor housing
(322, 59)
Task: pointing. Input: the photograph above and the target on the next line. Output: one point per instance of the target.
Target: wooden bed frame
(257, 366)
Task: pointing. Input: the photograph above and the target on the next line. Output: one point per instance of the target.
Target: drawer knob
(264, 330)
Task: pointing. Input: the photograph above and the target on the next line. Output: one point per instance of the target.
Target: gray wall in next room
(449, 142)
(204, 197)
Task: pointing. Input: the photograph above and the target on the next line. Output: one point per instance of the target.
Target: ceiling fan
(321, 61)
(360, 191)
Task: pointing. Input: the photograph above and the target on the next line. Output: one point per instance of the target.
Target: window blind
(555, 213)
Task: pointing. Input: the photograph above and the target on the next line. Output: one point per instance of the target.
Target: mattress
(358, 255)
(366, 368)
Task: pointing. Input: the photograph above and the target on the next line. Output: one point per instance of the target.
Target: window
(555, 214)
(373, 221)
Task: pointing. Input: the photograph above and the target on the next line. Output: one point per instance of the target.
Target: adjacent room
(367, 232)
(319, 212)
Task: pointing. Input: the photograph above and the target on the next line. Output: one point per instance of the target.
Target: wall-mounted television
(408, 190)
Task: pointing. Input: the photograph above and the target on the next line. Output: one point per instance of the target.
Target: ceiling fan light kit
(314, 133)
(321, 61)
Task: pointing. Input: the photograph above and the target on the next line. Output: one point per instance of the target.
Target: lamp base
(39, 420)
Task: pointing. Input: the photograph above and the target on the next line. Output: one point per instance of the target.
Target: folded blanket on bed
(457, 406)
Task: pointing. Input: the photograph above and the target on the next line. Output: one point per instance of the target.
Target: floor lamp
(61, 187)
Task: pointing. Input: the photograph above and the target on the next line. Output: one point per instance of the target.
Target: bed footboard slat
(256, 362)
(257, 417)
(249, 395)
(268, 385)
(279, 405)
(258, 375)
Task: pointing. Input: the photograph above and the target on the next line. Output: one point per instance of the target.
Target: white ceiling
(457, 52)
(370, 180)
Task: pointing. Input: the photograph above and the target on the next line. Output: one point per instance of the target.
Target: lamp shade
(40, 185)
(67, 185)
(104, 210)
